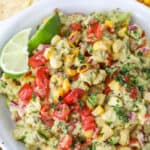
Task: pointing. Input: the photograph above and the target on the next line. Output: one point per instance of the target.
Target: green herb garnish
(92, 100)
(121, 113)
(81, 58)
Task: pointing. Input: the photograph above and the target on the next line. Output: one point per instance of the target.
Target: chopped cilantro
(146, 71)
(109, 70)
(92, 100)
(112, 142)
(89, 49)
(127, 68)
(109, 123)
(42, 135)
(120, 79)
(81, 103)
(81, 58)
(139, 54)
(121, 113)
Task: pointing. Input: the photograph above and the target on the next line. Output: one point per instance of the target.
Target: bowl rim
(9, 23)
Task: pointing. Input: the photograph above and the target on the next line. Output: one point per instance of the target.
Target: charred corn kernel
(124, 137)
(109, 23)
(106, 132)
(74, 37)
(122, 32)
(45, 19)
(126, 23)
(58, 93)
(88, 133)
(147, 2)
(70, 72)
(117, 46)
(76, 52)
(66, 85)
(48, 52)
(116, 56)
(69, 59)
(99, 46)
(98, 111)
(83, 68)
(55, 40)
(124, 148)
(115, 86)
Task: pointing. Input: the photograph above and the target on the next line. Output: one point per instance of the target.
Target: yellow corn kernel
(88, 134)
(99, 46)
(70, 72)
(124, 148)
(115, 86)
(48, 52)
(57, 93)
(107, 132)
(55, 40)
(98, 111)
(74, 37)
(147, 2)
(122, 32)
(116, 56)
(109, 23)
(89, 105)
(76, 52)
(83, 68)
(66, 85)
(69, 59)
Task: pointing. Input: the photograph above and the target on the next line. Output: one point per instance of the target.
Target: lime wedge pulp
(14, 55)
(45, 32)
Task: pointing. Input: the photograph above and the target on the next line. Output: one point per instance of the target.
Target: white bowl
(33, 16)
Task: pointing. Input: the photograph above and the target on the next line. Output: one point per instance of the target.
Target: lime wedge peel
(14, 55)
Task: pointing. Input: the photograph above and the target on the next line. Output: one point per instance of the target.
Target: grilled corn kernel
(99, 46)
(66, 85)
(88, 133)
(58, 92)
(70, 72)
(117, 46)
(98, 111)
(74, 37)
(124, 137)
(122, 32)
(76, 52)
(107, 132)
(48, 52)
(83, 68)
(115, 86)
(55, 40)
(123, 148)
(109, 23)
(69, 59)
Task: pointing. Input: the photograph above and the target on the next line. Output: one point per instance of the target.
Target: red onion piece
(132, 27)
(43, 46)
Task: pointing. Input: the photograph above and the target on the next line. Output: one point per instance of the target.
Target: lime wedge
(45, 32)
(14, 56)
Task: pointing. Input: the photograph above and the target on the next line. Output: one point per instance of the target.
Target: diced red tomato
(88, 121)
(76, 26)
(41, 83)
(94, 30)
(73, 96)
(133, 93)
(76, 77)
(62, 111)
(25, 94)
(110, 60)
(37, 60)
(147, 118)
(65, 142)
(134, 143)
(107, 90)
(45, 115)
(126, 78)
